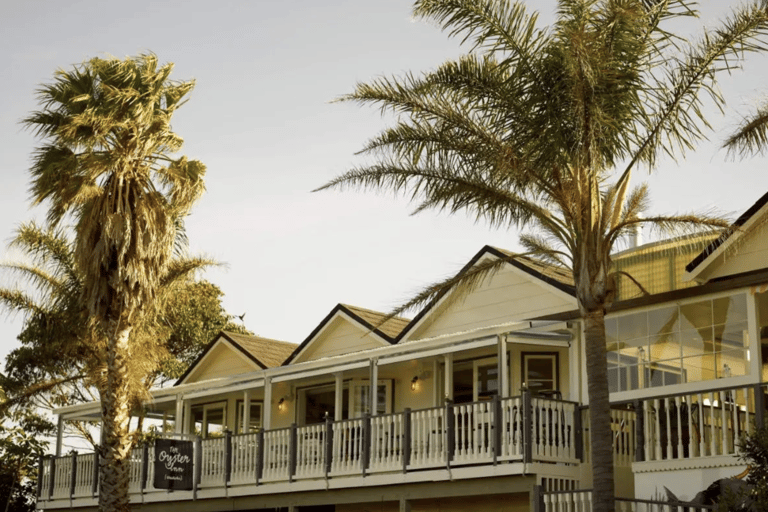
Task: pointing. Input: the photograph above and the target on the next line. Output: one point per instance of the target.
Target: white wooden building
(477, 399)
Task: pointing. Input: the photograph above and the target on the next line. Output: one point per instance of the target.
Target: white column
(753, 341)
(374, 386)
(504, 368)
(267, 403)
(188, 421)
(437, 400)
(448, 388)
(245, 427)
(60, 435)
(574, 369)
(337, 410)
(178, 426)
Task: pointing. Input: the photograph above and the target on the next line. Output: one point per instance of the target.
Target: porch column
(178, 426)
(246, 426)
(752, 341)
(503, 368)
(374, 387)
(59, 435)
(267, 403)
(436, 399)
(337, 410)
(448, 384)
(188, 422)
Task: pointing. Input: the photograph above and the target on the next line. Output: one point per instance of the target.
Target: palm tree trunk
(114, 470)
(600, 435)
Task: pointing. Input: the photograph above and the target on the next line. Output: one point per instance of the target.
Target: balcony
(521, 435)
(471, 440)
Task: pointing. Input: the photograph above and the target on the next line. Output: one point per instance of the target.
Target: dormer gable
(522, 288)
(740, 249)
(232, 354)
(348, 329)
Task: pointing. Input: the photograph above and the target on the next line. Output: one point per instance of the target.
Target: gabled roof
(264, 352)
(727, 237)
(368, 319)
(373, 319)
(558, 277)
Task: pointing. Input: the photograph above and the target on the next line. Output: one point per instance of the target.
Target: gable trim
(714, 249)
(232, 343)
(342, 311)
(570, 291)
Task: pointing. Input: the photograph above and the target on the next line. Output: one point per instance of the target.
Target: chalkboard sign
(174, 464)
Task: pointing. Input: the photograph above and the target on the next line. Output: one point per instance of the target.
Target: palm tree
(540, 129)
(55, 364)
(105, 164)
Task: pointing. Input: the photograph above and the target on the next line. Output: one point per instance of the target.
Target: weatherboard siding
(746, 255)
(222, 361)
(339, 338)
(505, 297)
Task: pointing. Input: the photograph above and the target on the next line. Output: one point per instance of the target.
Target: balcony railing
(522, 428)
(581, 501)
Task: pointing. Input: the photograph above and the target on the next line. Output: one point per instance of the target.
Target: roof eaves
(719, 241)
(570, 290)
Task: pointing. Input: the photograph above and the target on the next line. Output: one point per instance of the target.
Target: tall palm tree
(106, 164)
(56, 364)
(540, 128)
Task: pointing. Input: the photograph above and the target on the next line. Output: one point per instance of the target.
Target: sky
(263, 120)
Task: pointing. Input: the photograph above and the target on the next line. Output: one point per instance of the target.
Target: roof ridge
(350, 306)
(262, 338)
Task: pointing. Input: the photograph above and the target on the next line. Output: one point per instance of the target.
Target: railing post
(497, 426)
(639, 431)
(260, 456)
(198, 466)
(96, 472)
(450, 431)
(73, 475)
(527, 427)
(578, 433)
(538, 499)
(52, 480)
(292, 453)
(406, 448)
(366, 455)
(759, 406)
(227, 456)
(40, 473)
(328, 444)
(144, 466)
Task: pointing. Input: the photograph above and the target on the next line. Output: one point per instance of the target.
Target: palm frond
(678, 121)
(752, 135)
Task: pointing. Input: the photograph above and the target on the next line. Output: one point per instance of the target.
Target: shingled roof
(543, 270)
(266, 352)
(391, 327)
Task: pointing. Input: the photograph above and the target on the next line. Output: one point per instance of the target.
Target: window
(694, 341)
(254, 423)
(540, 372)
(209, 420)
(316, 402)
(475, 380)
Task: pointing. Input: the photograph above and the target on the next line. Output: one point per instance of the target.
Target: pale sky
(261, 119)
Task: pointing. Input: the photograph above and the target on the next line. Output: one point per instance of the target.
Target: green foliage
(193, 315)
(753, 497)
(51, 367)
(20, 447)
